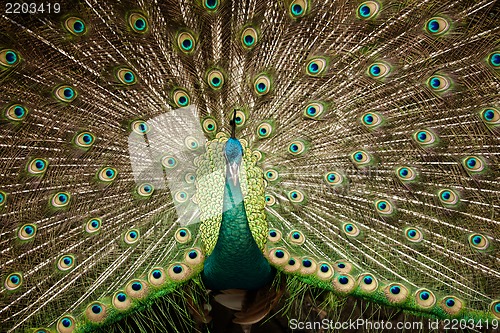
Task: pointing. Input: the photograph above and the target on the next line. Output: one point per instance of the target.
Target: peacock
(260, 156)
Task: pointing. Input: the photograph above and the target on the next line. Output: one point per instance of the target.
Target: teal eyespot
(138, 23)
(75, 26)
(384, 207)
(406, 173)
(437, 26)
(60, 199)
(351, 229)
(424, 137)
(448, 197)
(379, 70)
(181, 98)
(479, 242)
(13, 281)
(140, 127)
(3, 198)
(425, 298)
(298, 8)
(107, 174)
(297, 147)
(413, 235)
(295, 196)
(65, 93)
(262, 85)
(495, 309)
(37, 166)
(65, 324)
(494, 59)
(368, 10)
(66, 262)
(84, 140)
(316, 66)
(191, 143)
(473, 164)
(271, 175)
(210, 4)
(169, 162)
(361, 157)
(249, 37)
(93, 225)
(314, 110)
(9, 58)
(439, 83)
(16, 112)
(27, 232)
(132, 236)
(490, 116)
(145, 190)
(126, 76)
(186, 42)
(264, 130)
(209, 125)
(333, 178)
(451, 305)
(371, 120)
(215, 79)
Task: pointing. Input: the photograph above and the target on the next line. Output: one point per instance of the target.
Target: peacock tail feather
(162, 151)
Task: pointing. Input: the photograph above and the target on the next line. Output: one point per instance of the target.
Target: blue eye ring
(494, 59)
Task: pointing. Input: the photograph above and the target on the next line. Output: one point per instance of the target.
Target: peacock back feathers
(147, 146)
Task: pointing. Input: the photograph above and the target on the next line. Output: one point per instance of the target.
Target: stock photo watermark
(372, 325)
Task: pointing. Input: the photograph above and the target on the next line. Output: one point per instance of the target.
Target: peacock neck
(236, 261)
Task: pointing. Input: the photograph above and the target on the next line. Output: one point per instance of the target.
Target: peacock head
(233, 152)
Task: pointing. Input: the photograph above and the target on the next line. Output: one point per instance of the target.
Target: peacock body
(159, 148)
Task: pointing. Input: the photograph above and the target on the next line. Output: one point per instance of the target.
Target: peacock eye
(295, 196)
(13, 281)
(270, 200)
(316, 66)
(93, 225)
(84, 140)
(264, 130)
(368, 10)
(437, 26)
(60, 199)
(181, 98)
(138, 23)
(439, 83)
(65, 93)
(182, 235)
(140, 127)
(190, 177)
(211, 4)
(191, 143)
(271, 175)
(296, 237)
(215, 79)
(16, 112)
(494, 59)
(473, 164)
(490, 116)
(209, 125)
(3, 198)
(126, 76)
(333, 178)
(406, 173)
(66, 262)
(75, 26)
(180, 196)
(66, 324)
(379, 70)
(186, 42)
(262, 85)
(249, 37)
(425, 298)
(296, 148)
(324, 271)
(132, 236)
(384, 207)
(351, 229)
(37, 166)
(396, 292)
(371, 119)
(451, 305)
(313, 110)
(26, 232)
(495, 308)
(107, 174)
(240, 118)
(479, 241)
(9, 58)
(414, 235)
(424, 137)
(145, 190)
(360, 157)
(169, 162)
(448, 197)
(157, 276)
(298, 8)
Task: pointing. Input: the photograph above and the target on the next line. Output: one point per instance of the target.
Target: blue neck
(236, 261)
